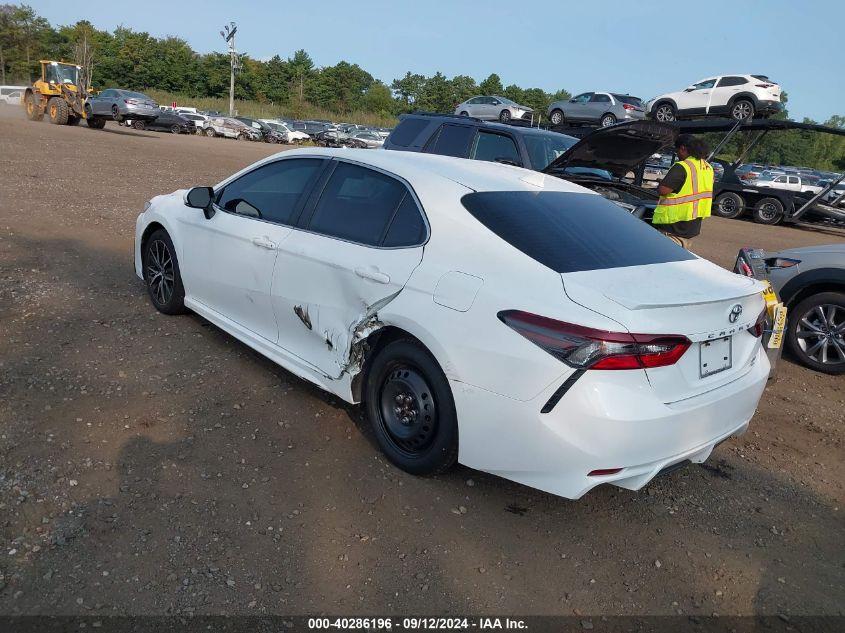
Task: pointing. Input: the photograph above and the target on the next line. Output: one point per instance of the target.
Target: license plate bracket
(715, 356)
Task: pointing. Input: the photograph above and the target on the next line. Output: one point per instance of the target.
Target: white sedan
(482, 313)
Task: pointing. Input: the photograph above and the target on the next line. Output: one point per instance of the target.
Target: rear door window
(451, 140)
(495, 147)
(600, 98)
(725, 82)
(271, 192)
(357, 204)
(571, 232)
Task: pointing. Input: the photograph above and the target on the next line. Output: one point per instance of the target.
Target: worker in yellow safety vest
(686, 192)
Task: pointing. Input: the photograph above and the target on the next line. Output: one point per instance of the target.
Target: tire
(241, 137)
(742, 109)
(556, 117)
(505, 116)
(801, 338)
(58, 111)
(115, 113)
(768, 211)
(464, 113)
(73, 119)
(33, 110)
(420, 433)
(160, 264)
(728, 205)
(665, 112)
(607, 119)
(138, 125)
(210, 133)
(175, 129)
(97, 124)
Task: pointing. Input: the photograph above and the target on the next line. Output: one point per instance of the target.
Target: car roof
(474, 174)
(468, 120)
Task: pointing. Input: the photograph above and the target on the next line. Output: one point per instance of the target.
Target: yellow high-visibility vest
(693, 200)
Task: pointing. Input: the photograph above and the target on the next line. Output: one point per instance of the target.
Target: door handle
(373, 275)
(263, 242)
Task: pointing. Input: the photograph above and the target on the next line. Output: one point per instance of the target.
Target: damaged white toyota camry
(482, 313)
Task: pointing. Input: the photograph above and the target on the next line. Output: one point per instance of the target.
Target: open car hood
(618, 148)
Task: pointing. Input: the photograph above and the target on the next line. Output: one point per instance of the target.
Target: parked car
(267, 134)
(601, 108)
(811, 283)
(606, 161)
(749, 171)
(198, 120)
(469, 137)
(288, 135)
(11, 94)
(122, 104)
(365, 140)
(167, 122)
(331, 138)
(779, 181)
(494, 108)
(230, 128)
(736, 96)
(515, 356)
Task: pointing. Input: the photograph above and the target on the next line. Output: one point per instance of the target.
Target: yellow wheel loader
(60, 95)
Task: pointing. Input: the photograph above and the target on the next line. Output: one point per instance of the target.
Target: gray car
(811, 283)
(494, 108)
(602, 108)
(122, 104)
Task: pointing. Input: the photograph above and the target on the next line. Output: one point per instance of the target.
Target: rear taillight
(760, 325)
(628, 106)
(764, 85)
(587, 348)
(131, 101)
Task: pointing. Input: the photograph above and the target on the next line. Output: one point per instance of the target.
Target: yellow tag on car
(776, 340)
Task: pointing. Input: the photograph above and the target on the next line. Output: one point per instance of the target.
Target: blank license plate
(715, 356)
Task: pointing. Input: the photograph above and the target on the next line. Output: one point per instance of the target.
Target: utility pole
(228, 34)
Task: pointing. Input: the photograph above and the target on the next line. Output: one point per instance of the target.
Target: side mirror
(200, 198)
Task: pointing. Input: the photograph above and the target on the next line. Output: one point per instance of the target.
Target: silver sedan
(494, 108)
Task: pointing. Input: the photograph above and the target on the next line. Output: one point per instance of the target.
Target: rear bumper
(140, 114)
(769, 107)
(606, 420)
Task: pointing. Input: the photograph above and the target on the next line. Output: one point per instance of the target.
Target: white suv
(737, 96)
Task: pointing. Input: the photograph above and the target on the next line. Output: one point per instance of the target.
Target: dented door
(326, 292)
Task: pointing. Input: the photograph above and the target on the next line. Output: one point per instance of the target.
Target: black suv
(468, 137)
(610, 160)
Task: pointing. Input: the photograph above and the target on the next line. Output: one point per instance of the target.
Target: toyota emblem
(736, 311)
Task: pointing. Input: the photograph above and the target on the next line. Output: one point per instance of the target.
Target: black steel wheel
(161, 274)
(729, 205)
(768, 211)
(816, 332)
(411, 410)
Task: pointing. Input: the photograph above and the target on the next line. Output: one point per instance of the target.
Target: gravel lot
(152, 464)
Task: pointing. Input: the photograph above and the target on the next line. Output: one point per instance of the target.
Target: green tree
(408, 88)
(301, 69)
(463, 88)
(436, 94)
(378, 99)
(491, 86)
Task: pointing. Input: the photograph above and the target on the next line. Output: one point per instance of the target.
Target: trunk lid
(694, 298)
(618, 149)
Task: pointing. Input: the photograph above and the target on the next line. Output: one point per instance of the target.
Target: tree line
(138, 61)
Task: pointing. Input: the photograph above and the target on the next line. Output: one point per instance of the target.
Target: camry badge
(736, 311)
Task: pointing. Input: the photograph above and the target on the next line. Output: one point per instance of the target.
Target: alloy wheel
(821, 334)
(664, 113)
(159, 271)
(408, 411)
(742, 110)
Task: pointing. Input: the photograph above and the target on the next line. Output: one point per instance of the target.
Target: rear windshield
(407, 131)
(634, 101)
(571, 232)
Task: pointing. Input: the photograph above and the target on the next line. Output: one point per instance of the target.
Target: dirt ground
(152, 464)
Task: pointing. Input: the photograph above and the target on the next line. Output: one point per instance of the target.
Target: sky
(640, 47)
